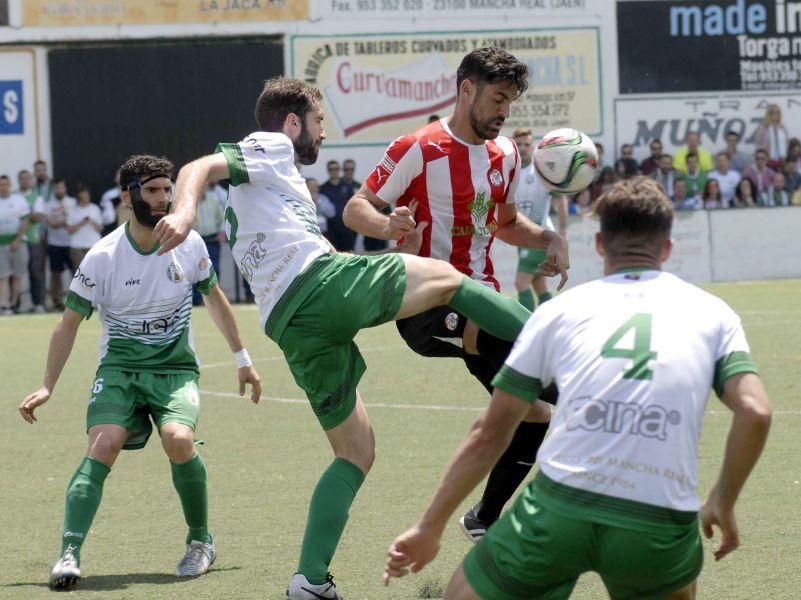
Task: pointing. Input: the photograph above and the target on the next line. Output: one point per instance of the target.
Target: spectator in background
(339, 192)
(44, 186)
(371, 244)
(739, 161)
(792, 178)
(695, 177)
(34, 239)
(84, 224)
(626, 166)
(794, 152)
(771, 136)
(605, 181)
(582, 204)
(681, 201)
(746, 195)
(726, 177)
(433, 118)
(602, 163)
(58, 239)
(14, 213)
(775, 195)
(325, 209)
(209, 220)
(693, 147)
(759, 172)
(109, 201)
(666, 174)
(711, 197)
(651, 164)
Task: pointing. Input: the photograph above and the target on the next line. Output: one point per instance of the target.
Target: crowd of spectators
(695, 179)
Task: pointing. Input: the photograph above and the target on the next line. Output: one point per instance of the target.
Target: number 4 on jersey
(640, 353)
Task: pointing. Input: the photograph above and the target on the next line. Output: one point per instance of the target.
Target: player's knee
(104, 449)
(361, 454)
(522, 281)
(179, 444)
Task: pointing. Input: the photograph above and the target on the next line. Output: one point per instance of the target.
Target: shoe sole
(470, 537)
(67, 581)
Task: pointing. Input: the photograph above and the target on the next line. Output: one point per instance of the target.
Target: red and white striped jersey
(457, 186)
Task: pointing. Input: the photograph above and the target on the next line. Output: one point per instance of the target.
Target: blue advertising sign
(11, 108)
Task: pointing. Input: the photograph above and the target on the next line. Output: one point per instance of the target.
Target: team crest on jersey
(529, 179)
(452, 321)
(174, 273)
(495, 177)
(204, 264)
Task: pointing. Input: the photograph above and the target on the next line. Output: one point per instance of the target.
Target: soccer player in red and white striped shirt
(462, 175)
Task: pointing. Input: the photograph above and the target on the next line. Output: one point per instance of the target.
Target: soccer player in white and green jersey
(313, 301)
(534, 200)
(634, 355)
(148, 368)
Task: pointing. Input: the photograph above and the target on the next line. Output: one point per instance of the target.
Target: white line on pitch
(441, 407)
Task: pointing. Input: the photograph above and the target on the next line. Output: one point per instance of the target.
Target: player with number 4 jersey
(635, 355)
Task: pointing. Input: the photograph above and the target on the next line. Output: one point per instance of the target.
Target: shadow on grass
(106, 583)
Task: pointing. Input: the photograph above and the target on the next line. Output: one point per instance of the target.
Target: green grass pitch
(263, 462)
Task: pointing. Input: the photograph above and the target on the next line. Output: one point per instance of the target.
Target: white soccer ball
(566, 160)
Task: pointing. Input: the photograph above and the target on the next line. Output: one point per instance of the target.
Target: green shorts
(352, 293)
(533, 552)
(132, 399)
(529, 259)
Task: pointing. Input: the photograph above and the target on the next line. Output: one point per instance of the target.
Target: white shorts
(13, 263)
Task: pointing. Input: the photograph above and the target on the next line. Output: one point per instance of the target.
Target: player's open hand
(714, 514)
(557, 261)
(411, 551)
(250, 375)
(172, 229)
(401, 221)
(31, 402)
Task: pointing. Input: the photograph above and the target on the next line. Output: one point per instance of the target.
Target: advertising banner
(378, 87)
(638, 120)
(19, 127)
(676, 45)
(381, 9)
(64, 13)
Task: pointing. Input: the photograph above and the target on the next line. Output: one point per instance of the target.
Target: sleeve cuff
(205, 286)
(236, 163)
(730, 365)
(516, 383)
(79, 304)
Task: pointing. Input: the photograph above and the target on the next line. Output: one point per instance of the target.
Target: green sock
(495, 313)
(544, 297)
(526, 298)
(84, 492)
(189, 480)
(328, 513)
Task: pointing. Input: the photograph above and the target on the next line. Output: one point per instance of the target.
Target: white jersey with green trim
(271, 219)
(533, 199)
(634, 356)
(144, 300)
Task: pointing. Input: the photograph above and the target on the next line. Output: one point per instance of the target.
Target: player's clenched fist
(401, 222)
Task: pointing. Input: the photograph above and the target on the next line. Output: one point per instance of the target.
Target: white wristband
(242, 359)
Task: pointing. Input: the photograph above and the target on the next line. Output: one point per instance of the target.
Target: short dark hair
(5, 177)
(80, 187)
(282, 96)
(636, 217)
(21, 171)
(491, 64)
(732, 132)
(140, 166)
(56, 180)
(690, 155)
(40, 162)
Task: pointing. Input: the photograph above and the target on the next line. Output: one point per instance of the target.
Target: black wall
(176, 99)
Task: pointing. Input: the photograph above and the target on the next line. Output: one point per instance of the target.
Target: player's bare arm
(518, 230)
(362, 215)
(223, 317)
(746, 397)
(61, 343)
(488, 438)
(560, 202)
(192, 179)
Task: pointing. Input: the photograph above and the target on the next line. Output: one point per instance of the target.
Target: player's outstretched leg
(84, 492)
(432, 283)
(353, 443)
(189, 479)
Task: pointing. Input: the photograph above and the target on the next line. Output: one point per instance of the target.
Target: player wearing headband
(148, 368)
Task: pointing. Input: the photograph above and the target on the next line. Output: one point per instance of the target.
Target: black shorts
(59, 257)
(438, 332)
